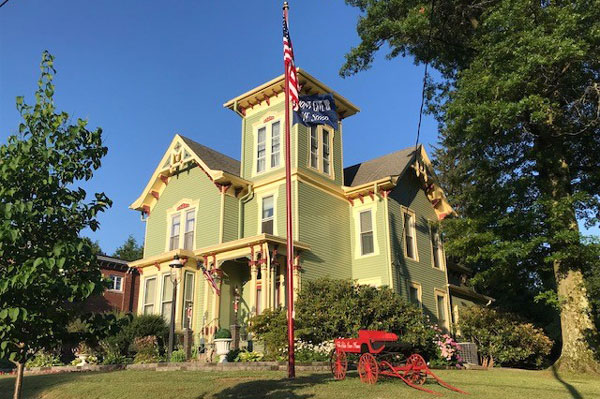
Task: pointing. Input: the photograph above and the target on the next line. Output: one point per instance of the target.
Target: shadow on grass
(274, 389)
(572, 390)
(34, 386)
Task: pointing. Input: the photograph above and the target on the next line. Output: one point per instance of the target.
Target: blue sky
(145, 70)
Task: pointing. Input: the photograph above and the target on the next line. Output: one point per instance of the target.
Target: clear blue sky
(145, 70)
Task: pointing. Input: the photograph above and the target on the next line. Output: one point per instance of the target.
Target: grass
(498, 383)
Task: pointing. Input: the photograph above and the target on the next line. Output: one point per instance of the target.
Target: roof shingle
(393, 164)
(214, 159)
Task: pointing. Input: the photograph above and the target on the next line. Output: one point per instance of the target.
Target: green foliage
(245, 356)
(327, 309)
(178, 356)
(503, 337)
(130, 250)
(270, 327)
(111, 353)
(45, 265)
(307, 352)
(233, 354)
(518, 104)
(140, 326)
(146, 349)
(222, 333)
(43, 359)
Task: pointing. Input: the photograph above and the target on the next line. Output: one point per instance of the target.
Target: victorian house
(375, 222)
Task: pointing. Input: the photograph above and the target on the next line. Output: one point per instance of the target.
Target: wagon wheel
(368, 369)
(417, 372)
(338, 363)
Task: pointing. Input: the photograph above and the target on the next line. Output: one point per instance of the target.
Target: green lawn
(499, 383)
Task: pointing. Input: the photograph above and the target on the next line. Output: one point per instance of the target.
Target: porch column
(217, 298)
(296, 280)
(265, 283)
(253, 284)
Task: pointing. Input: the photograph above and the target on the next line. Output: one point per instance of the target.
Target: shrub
(43, 359)
(178, 356)
(270, 327)
(505, 339)
(140, 326)
(245, 356)
(232, 355)
(308, 352)
(222, 333)
(328, 309)
(146, 349)
(111, 353)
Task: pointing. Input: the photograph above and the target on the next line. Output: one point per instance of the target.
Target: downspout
(222, 213)
(387, 237)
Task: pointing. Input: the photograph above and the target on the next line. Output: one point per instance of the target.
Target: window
(116, 283)
(366, 233)
(436, 246)
(149, 295)
(188, 299)
(325, 151)
(414, 294)
(190, 222)
(258, 299)
(175, 227)
(275, 144)
(314, 147)
(167, 297)
(261, 149)
(320, 149)
(410, 244)
(267, 214)
(440, 300)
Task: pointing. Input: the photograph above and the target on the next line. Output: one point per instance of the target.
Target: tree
(518, 106)
(130, 250)
(45, 265)
(95, 246)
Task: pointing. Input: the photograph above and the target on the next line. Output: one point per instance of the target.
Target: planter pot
(222, 346)
(83, 357)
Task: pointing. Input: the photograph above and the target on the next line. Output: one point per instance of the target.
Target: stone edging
(185, 366)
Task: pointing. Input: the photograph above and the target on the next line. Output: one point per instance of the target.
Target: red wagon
(378, 351)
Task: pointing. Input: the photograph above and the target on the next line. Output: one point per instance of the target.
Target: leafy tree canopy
(130, 250)
(518, 106)
(45, 265)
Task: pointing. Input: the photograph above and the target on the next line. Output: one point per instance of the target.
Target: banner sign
(317, 109)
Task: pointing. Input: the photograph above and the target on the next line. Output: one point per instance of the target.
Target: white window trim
(193, 205)
(112, 288)
(259, 197)
(154, 277)
(414, 237)
(442, 255)
(319, 167)
(438, 292)
(160, 294)
(187, 273)
(268, 144)
(356, 211)
(416, 285)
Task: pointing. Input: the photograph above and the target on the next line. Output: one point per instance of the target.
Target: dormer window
(268, 146)
(321, 140)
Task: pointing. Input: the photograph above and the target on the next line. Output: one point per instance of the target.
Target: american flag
(210, 279)
(288, 60)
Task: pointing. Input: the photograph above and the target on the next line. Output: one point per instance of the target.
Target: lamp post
(175, 266)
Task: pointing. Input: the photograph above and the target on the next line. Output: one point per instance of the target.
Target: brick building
(122, 295)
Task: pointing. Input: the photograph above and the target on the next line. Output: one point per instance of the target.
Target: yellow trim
(182, 212)
(413, 227)
(442, 267)
(274, 86)
(368, 205)
(388, 241)
(419, 288)
(319, 168)
(439, 292)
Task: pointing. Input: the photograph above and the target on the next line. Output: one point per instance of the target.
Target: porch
(219, 286)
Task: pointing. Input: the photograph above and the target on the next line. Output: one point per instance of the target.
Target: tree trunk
(19, 380)
(577, 327)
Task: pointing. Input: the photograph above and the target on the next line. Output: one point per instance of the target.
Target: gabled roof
(393, 164)
(213, 159)
(184, 152)
(361, 177)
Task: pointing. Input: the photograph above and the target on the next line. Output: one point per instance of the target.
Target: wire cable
(3, 3)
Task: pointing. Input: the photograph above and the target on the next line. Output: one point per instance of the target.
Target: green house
(375, 222)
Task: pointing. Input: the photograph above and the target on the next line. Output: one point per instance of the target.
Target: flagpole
(288, 209)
